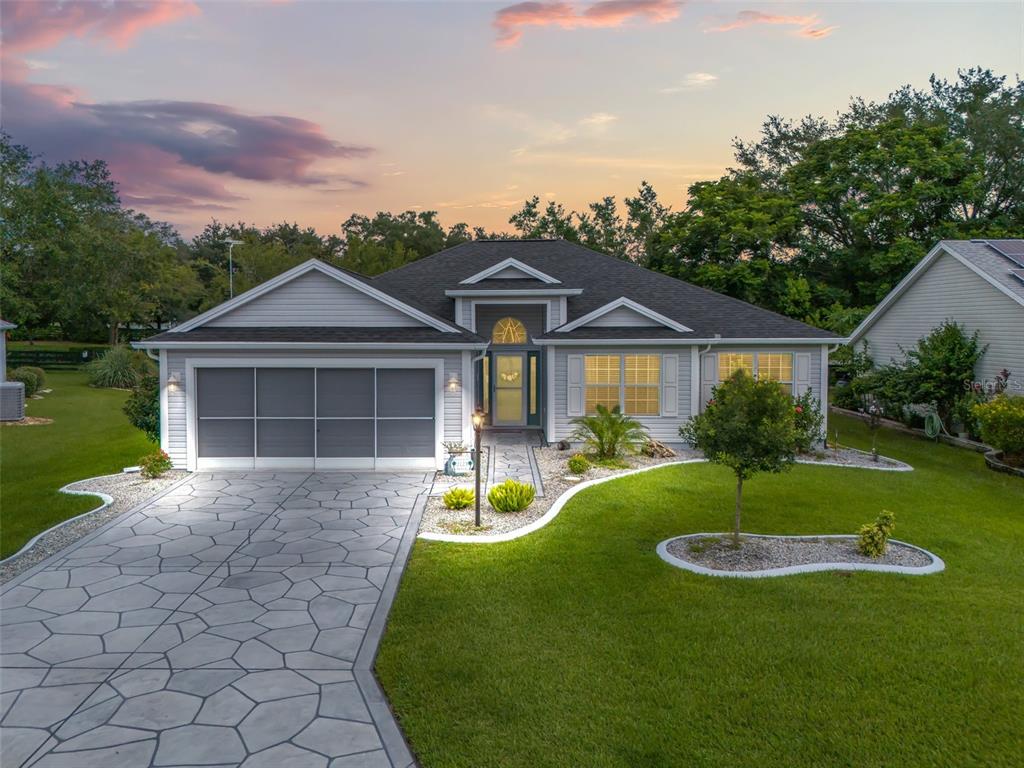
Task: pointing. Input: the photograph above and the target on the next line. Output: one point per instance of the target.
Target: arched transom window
(508, 330)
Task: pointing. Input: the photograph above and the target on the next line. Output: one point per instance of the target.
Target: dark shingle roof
(602, 278)
(318, 334)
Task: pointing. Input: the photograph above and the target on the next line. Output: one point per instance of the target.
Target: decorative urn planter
(459, 464)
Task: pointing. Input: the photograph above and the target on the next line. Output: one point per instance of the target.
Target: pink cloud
(510, 21)
(31, 25)
(806, 24)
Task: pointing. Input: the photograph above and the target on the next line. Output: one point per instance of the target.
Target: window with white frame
(632, 382)
(772, 366)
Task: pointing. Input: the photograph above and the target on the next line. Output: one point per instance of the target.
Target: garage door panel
(285, 392)
(226, 438)
(281, 438)
(405, 392)
(344, 392)
(344, 438)
(224, 392)
(398, 438)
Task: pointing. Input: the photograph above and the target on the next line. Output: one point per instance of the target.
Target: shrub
(747, 426)
(873, 538)
(119, 367)
(459, 498)
(578, 464)
(39, 372)
(1002, 426)
(27, 377)
(511, 496)
(143, 407)
(154, 464)
(807, 418)
(610, 433)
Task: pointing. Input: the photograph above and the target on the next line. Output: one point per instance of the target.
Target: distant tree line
(817, 220)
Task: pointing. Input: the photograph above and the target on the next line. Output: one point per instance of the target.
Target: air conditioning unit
(12, 401)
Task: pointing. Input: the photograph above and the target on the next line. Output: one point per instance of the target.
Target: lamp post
(231, 267)
(478, 423)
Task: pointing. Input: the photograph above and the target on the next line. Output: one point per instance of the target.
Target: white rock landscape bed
(760, 556)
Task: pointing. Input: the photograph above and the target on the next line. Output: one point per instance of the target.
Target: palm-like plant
(610, 433)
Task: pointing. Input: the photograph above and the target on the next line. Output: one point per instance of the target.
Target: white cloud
(694, 81)
(598, 120)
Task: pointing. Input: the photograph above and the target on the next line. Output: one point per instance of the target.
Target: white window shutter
(802, 375)
(669, 385)
(574, 381)
(708, 377)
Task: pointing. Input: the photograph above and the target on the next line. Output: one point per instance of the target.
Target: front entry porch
(508, 387)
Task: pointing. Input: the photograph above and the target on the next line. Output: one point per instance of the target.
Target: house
(322, 368)
(976, 283)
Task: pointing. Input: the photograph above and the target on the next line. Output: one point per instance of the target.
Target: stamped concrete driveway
(232, 621)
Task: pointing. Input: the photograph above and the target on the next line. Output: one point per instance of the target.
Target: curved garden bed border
(552, 513)
(902, 466)
(935, 566)
(994, 460)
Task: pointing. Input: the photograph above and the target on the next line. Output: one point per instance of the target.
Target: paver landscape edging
(547, 517)
(935, 566)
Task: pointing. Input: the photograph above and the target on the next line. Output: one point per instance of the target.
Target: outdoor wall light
(174, 379)
(453, 382)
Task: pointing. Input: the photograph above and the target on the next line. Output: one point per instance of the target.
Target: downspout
(151, 356)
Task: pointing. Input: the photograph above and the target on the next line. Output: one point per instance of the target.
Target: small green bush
(39, 372)
(1002, 425)
(143, 407)
(808, 419)
(578, 464)
(459, 498)
(610, 433)
(511, 496)
(154, 464)
(119, 367)
(873, 538)
(27, 377)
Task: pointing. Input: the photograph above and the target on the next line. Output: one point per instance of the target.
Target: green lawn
(90, 435)
(578, 646)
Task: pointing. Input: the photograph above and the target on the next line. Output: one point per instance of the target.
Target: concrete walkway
(512, 457)
(232, 621)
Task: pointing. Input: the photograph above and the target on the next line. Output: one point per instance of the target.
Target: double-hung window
(632, 382)
(772, 366)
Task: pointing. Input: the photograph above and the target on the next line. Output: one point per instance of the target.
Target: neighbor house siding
(948, 290)
(315, 299)
(664, 428)
(177, 397)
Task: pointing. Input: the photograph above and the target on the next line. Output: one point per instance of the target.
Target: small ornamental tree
(747, 426)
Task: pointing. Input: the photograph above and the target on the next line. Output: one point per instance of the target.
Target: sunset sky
(310, 111)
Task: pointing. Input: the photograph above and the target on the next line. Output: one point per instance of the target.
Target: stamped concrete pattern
(230, 622)
(513, 457)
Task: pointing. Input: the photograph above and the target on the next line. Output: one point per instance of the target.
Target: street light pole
(478, 423)
(231, 268)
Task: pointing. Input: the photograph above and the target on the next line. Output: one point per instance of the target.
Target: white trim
(694, 381)
(922, 266)
(823, 392)
(312, 345)
(192, 363)
(468, 395)
(549, 396)
(302, 269)
(511, 292)
(165, 427)
(934, 567)
(622, 301)
(526, 269)
(653, 342)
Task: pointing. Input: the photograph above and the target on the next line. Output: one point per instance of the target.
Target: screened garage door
(318, 418)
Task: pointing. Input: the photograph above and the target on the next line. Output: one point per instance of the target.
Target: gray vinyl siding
(315, 299)
(176, 397)
(556, 313)
(531, 315)
(661, 428)
(948, 290)
(622, 317)
(511, 272)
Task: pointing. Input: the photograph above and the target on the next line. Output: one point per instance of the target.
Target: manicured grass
(578, 646)
(90, 435)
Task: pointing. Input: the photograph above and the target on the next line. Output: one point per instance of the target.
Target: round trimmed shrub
(39, 372)
(1002, 426)
(578, 464)
(27, 377)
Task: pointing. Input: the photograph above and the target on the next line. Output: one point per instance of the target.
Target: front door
(509, 389)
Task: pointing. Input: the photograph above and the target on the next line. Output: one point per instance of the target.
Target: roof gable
(511, 269)
(315, 294)
(624, 313)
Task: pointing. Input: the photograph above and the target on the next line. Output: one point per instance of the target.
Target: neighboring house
(976, 283)
(322, 368)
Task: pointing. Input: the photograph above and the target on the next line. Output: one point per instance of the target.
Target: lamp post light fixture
(478, 424)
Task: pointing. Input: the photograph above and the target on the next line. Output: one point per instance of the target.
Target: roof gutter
(215, 345)
(690, 342)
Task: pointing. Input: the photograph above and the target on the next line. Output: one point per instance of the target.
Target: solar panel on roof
(1011, 249)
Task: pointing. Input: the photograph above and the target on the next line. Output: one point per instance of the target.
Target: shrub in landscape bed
(119, 367)
(143, 407)
(154, 465)
(578, 464)
(747, 426)
(609, 433)
(39, 372)
(511, 496)
(27, 377)
(808, 418)
(459, 498)
(1002, 426)
(873, 538)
